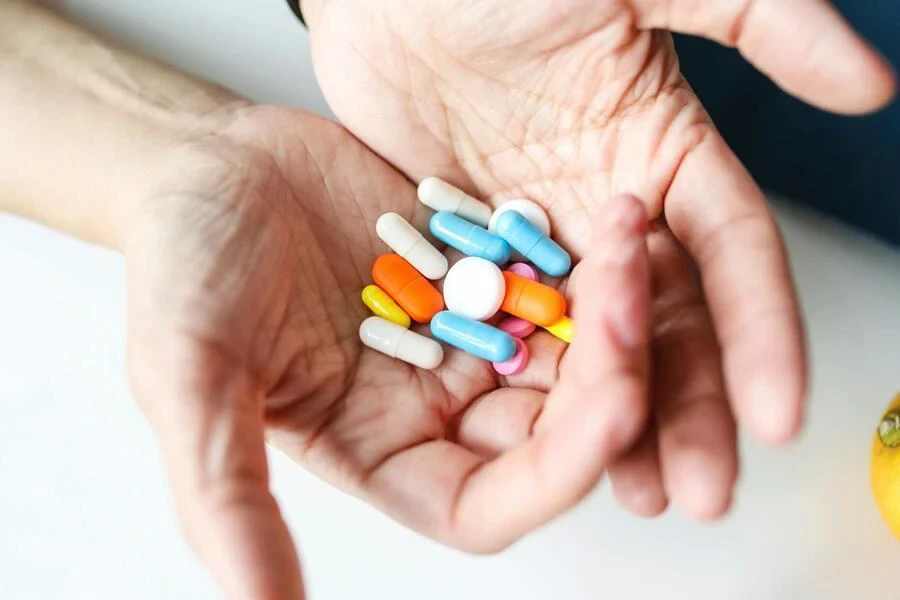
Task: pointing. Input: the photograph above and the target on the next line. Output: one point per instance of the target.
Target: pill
(527, 208)
(439, 195)
(517, 363)
(474, 288)
(405, 240)
(415, 295)
(525, 270)
(547, 255)
(398, 342)
(564, 329)
(469, 238)
(532, 301)
(474, 337)
(516, 327)
(384, 306)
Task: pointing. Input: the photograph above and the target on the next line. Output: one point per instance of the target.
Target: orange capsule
(532, 301)
(407, 287)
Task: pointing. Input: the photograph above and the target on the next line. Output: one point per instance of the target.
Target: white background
(84, 510)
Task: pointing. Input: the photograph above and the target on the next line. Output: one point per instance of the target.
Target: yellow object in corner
(564, 329)
(885, 466)
(384, 306)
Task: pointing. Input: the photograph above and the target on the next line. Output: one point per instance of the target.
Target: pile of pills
(476, 288)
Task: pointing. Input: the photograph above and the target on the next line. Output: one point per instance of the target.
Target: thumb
(206, 410)
(804, 46)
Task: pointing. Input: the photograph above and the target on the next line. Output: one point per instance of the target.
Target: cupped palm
(245, 268)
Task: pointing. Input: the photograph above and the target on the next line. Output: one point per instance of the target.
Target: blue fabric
(846, 167)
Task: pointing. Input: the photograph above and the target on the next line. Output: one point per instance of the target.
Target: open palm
(245, 267)
(574, 101)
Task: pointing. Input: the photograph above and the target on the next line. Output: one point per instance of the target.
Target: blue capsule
(547, 255)
(474, 337)
(468, 238)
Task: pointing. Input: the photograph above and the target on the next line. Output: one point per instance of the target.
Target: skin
(577, 101)
(248, 233)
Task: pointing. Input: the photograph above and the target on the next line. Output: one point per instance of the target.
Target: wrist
(89, 127)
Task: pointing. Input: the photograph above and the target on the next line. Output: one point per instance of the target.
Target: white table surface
(84, 509)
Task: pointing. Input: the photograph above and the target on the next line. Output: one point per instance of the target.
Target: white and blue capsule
(474, 337)
(468, 238)
(533, 244)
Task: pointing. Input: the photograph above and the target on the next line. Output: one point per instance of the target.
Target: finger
(544, 355)
(719, 214)
(499, 421)
(697, 437)
(599, 405)
(207, 414)
(805, 46)
(610, 304)
(485, 506)
(636, 478)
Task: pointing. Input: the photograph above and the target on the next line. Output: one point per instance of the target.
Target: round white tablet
(474, 288)
(527, 208)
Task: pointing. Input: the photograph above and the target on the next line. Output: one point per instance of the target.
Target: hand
(574, 101)
(245, 268)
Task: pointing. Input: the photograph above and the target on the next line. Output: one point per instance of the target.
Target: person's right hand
(245, 266)
(572, 102)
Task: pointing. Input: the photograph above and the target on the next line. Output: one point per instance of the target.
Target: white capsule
(439, 195)
(398, 342)
(405, 240)
(474, 288)
(527, 208)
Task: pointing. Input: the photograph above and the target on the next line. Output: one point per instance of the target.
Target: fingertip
(625, 213)
(700, 489)
(876, 87)
(646, 503)
(706, 507)
(884, 87)
(776, 414)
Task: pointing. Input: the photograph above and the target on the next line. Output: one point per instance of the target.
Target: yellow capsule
(383, 305)
(564, 329)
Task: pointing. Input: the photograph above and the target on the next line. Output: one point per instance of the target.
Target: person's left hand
(246, 260)
(570, 102)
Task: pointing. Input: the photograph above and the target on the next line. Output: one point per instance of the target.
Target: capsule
(474, 337)
(415, 295)
(405, 240)
(532, 301)
(468, 238)
(531, 242)
(564, 329)
(398, 342)
(439, 195)
(384, 306)
(529, 209)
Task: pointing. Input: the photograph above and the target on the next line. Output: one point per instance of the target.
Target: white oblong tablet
(405, 240)
(527, 208)
(474, 288)
(401, 343)
(439, 195)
